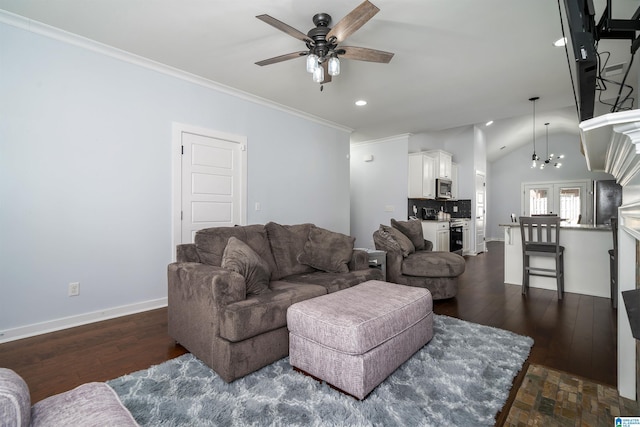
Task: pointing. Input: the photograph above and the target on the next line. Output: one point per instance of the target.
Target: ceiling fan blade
(354, 20)
(284, 27)
(327, 76)
(281, 58)
(365, 54)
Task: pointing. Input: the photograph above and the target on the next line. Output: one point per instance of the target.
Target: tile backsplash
(463, 207)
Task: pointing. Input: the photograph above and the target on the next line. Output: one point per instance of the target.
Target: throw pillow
(405, 244)
(239, 257)
(412, 229)
(287, 242)
(327, 250)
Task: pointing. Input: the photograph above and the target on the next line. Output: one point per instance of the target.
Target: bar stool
(613, 263)
(541, 237)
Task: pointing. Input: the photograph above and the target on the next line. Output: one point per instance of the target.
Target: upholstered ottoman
(355, 338)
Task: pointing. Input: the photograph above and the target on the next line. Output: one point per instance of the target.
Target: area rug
(462, 377)
(548, 397)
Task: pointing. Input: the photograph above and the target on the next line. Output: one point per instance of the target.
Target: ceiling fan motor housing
(320, 46)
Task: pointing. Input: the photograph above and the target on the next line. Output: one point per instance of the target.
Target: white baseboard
(78, 320)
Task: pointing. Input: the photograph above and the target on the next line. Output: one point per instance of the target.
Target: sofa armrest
(187, 253)
(197, 293)
(428, 245)
(359, 260)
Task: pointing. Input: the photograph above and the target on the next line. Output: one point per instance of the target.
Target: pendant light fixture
(534, 157)
(551, 157)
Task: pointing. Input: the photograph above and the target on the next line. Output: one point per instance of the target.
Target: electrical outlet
(74, 289)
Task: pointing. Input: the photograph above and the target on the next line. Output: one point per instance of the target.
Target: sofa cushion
(263, 313)
(239, 257)
(334, 282)
(433, 264)
(412, 229)
(89, 405)
(15, 401)
(287, 242)
(403, 241)
(327, 250)
(211, 242)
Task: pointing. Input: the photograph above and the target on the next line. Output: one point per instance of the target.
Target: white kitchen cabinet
(442, 163)
(438, 233)
(422, 182)
(466, 237)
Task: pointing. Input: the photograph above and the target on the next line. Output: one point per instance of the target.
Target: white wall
(508, 173)
(85, 173)
(378, 186)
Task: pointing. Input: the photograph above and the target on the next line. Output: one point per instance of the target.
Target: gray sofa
(89, 405)
(411, 261)
(229, 291)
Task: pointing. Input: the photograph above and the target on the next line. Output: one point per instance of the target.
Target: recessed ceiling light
(361, 102)
(489, 123)
(560, 42)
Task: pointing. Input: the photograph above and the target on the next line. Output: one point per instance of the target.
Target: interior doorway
(481, 192)
(209, 180)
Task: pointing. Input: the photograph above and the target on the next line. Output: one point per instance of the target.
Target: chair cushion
(433, 264)
(405, 244)
(327, 250)
(287, 242)
(413, 230)
(239, 257)
(15, 401)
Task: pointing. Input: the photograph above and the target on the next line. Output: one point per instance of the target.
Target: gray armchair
(414, 264)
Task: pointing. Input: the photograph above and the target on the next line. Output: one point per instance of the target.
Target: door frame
(177, 129)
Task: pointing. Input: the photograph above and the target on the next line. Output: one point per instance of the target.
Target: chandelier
(551, 159)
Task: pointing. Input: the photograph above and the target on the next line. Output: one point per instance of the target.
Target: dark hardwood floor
(577, 335)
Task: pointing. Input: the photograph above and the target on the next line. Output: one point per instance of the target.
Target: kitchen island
(586, 259)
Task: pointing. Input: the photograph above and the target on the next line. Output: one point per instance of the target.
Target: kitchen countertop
(584, 227)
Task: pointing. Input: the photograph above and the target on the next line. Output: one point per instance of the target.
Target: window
(569, 200)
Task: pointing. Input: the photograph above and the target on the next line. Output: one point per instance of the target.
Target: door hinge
(181, 215)
(182, 150)
(243, 148)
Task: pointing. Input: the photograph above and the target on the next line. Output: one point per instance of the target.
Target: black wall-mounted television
(582, 37)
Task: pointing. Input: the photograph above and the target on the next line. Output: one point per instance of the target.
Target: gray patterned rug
(462, 377)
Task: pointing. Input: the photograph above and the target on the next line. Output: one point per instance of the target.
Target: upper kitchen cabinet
(442, 163)
(422, 176)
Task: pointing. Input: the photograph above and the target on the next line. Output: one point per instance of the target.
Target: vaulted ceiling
(456, 63)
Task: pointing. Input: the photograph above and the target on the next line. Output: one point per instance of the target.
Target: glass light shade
(334, 66)
(312, 62)
(318, 75)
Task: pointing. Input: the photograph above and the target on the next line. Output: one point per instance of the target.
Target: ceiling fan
(323, 42)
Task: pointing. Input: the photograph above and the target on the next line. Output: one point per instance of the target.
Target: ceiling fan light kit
(322, 42)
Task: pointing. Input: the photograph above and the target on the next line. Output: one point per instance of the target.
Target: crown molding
(51, 32)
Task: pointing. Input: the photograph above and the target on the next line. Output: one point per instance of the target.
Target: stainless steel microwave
(443, 188)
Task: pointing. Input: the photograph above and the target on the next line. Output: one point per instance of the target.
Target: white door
(568, 199)
(212, 181)
(480, 211)
(538, 199)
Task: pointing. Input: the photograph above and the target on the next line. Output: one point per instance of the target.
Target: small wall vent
(613, 70)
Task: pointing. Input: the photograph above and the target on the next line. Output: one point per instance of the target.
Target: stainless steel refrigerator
(607, 197)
